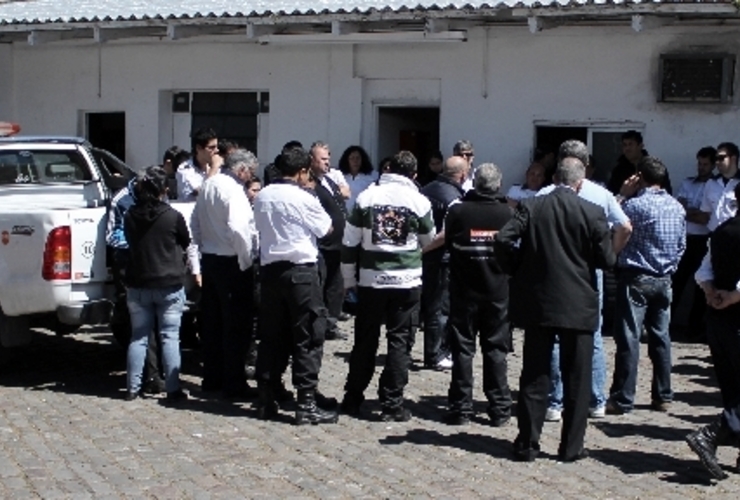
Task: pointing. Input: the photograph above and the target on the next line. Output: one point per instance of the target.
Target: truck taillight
(58, 254)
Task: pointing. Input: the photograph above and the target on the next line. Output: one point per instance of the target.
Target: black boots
(704, 443)
(267, 407)
(308, 412)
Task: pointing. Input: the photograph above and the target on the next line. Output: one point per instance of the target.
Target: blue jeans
(144, 305)
(641, 299)
(435, 300)
(598, 369)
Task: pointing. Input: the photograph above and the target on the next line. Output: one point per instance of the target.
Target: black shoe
(343, 316)
(267, 407)
(525, 454)
(457, 418)
(704, 443)
(308, 412)
(178, 395)
(154, 385)
(499, 421)
(351, 406)
(578, 456)
(399, 414)
(132, 396)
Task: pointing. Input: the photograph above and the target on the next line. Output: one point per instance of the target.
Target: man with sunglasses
(719, 203)
(191, 174)
(464, 149)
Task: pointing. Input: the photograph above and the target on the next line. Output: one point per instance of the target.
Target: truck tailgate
(23, 235)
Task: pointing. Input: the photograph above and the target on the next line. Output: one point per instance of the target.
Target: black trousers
(696, 249)
(332, 283)
(435, 298)
(489, 320)
(226, 312)
(576, 353)
(373, 305)
(292, 323)
(723, 336)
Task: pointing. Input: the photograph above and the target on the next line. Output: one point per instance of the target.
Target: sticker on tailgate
(23, 230)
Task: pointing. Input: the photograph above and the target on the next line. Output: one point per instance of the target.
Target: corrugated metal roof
(44, 11)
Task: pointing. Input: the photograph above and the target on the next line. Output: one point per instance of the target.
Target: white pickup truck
(54, 194)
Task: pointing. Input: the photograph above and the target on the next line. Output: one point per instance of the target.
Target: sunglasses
(467, 155)
(721, 157)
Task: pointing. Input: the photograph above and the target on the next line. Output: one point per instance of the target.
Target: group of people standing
(472, 260)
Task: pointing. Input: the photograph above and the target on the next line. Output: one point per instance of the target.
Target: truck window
(33, 167)
(116, 174)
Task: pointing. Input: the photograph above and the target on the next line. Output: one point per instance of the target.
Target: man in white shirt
(320, 158)
(223, 228)
(690, 195)
(718, 202)
(292, 315)
(191, 174)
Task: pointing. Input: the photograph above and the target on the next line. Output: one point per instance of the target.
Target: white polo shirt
(719, 200)
(289, 219)
(517, 192)
(189, 181)
(692, 190)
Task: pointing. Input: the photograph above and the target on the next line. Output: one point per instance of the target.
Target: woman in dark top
(157, 236)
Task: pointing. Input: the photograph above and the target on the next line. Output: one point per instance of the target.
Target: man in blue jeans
(644, 291)
(622, 229)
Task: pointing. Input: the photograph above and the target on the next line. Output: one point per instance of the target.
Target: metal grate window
(232, 114)
(706, 78)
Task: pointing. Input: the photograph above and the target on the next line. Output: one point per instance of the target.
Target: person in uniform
(292, 315)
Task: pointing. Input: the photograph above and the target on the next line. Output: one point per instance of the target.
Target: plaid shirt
(658, 233)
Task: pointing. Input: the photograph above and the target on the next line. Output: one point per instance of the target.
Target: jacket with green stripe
(384, 235)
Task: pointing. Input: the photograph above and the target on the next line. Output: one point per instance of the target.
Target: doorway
(414, 129)
(107, 131)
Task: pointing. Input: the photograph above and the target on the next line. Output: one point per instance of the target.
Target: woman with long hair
(158, 237)
(357, 168)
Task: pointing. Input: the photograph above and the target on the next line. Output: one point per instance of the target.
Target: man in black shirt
(479, 298)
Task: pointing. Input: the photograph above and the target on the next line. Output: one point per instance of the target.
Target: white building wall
(490, 89)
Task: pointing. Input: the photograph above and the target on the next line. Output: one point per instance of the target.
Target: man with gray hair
(553, 246)
(223, 228)
(479, 298)
(621, 231)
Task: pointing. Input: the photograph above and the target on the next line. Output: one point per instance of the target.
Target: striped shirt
(387, 228)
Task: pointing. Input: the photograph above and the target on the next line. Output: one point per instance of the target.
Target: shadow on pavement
(620, 429)
(641, 462)
(472, 443)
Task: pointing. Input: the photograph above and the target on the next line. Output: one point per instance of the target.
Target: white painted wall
(490, 89)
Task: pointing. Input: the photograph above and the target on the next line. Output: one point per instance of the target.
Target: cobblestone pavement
(66, 432)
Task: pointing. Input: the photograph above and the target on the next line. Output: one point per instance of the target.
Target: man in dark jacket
(562, 240)
(435, 300)
(633, 151)
(479, 298)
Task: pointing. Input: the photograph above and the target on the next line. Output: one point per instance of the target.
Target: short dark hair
(293, 161)
(652, 171)
(633, 135)
(254, 180)
(151, 184)
(707, 152)
(387, 160)
(176, 155)
(403, 163)
(436, 155)
(366, 166)
(290, 145)
(224, 145)
(731, 148)
(202, 137)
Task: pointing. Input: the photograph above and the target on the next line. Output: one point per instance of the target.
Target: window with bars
(696, 78)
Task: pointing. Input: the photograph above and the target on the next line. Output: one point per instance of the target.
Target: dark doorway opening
(108, 131)
(233, 115)
(411, 129)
